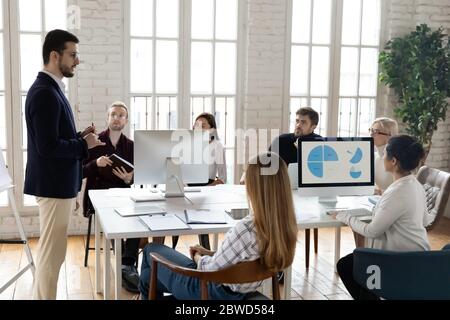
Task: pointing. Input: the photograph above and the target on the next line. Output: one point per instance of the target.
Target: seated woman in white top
(381, 131)
(398, 218)
(217, 165)
(269, 233)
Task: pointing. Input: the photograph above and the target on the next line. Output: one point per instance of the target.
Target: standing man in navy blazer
(55, 151)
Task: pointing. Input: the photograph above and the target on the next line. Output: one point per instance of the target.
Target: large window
(154, 50)
(184, 61)
(32, 30)
(214, 66)
(29, 22)
(334, 65)
(3, 141)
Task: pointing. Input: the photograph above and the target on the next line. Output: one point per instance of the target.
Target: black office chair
(88, 240)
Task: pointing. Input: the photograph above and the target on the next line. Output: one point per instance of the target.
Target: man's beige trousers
(54, 217)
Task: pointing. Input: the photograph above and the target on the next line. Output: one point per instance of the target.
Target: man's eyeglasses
(376, 131)
(118, 116)
(73, 55)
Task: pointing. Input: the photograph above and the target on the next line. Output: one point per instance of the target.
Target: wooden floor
(76, 282)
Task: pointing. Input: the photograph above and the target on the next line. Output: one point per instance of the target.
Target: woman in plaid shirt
(269, 233)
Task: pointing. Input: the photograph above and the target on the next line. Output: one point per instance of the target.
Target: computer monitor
(293, 175)
(171, 157)
(330, 167)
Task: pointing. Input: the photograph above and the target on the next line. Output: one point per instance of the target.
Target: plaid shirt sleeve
(239, 245)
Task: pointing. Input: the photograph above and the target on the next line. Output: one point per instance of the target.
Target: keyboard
(359, 212)
(148, 197)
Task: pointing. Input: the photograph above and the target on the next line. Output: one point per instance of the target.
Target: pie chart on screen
(318, 157)
(355, 173)
(357, 156)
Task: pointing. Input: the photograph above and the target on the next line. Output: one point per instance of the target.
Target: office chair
(419, 275)
(243, 272)
(437, 188)
(88, 240)
(142, 243)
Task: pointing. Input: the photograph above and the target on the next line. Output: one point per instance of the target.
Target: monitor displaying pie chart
(336, 161)
(318, 156)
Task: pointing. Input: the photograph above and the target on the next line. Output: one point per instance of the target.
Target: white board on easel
(5, 179)
(6, 186)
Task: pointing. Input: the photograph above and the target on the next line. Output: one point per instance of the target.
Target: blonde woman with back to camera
(269, 233)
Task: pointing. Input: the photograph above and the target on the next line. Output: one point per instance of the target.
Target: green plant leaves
(416, 67)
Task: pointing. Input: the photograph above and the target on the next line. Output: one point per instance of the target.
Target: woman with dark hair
(217, 167)
(398, 218)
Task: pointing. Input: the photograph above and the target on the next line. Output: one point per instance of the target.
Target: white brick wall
(101, 80)
(264, 71)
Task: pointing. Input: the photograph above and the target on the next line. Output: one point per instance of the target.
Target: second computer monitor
(152, 150)
(330, 167)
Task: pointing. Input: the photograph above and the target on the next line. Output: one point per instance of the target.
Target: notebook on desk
(163, 222)
(204, 216)
(139, 211)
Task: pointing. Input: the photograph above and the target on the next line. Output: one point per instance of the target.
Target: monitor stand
(328, 200)
(174, 180)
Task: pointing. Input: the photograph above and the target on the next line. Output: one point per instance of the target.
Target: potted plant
(416, 67)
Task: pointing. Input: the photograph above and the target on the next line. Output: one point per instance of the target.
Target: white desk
(309, 213)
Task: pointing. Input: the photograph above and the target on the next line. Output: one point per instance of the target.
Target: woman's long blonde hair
(270, 197)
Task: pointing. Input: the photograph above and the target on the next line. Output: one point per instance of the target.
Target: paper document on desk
(163, 222)
(367, 203)
(139, 211)
(205, 217)
(117, 193)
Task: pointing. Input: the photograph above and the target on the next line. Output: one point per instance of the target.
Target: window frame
(13, 99)
(7, 94)
(332, 125)
(184, 95)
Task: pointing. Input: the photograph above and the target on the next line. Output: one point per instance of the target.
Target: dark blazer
(55, 149)
(285, 144)
(95, 180)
